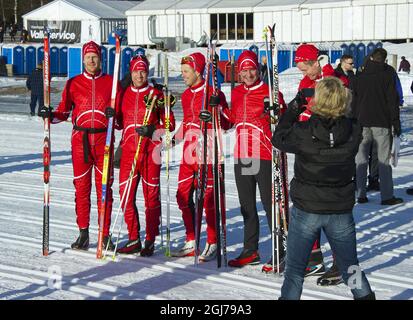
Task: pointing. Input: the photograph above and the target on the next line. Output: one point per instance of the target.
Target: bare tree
(15, 10)
(2, 11)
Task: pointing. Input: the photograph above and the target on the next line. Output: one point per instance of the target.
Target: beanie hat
(139, 62)
(306, 52)
(247, 60)
(196, 61)
(91, 46)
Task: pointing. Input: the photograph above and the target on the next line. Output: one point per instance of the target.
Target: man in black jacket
(345, 67)
(322, 189)
(376, 105)
(35, 84)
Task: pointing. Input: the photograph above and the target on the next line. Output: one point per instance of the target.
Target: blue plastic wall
(54, 61)
(63, 60)
(74, 62)
(31, 61)
(18, 60)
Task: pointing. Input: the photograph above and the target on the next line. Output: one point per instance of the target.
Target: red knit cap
(306, 52)
(139, 62)
(247, 60)
(196, 61)
(91, 46)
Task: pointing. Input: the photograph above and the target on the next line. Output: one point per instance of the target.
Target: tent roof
(99, 8)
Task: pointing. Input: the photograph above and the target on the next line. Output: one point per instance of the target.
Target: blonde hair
(332, 99)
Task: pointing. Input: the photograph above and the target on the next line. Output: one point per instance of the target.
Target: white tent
(97, 17)
(297, 21)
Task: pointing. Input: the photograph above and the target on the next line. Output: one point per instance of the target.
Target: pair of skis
(217, 166)
(279, 170)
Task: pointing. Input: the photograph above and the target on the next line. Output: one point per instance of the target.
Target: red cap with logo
(91, 46)
(196, 61)
(138, 63)
(306, 52)
(247, 60)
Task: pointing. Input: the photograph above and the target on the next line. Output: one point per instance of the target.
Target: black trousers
(34, 99)
(248, 174)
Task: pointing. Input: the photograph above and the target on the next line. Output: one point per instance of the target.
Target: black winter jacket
(375, 99)
(35, 82)
(324, 166)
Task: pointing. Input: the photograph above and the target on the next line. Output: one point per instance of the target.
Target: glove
(161, 102)
(146, 131)
(214, 101)
(46, 112)
(157, 85)
(323, 60)
(268, 108)
(397, 129)
(297, 105)
(109, 112)
(205, 116)
(308, 92)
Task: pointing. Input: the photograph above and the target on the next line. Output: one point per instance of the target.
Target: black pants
(34, 99)
(373, 164)
(249, 173)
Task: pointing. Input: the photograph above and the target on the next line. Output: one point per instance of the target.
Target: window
(231, 26)
(222, 26)
(214, 24)
(250, 26)
(240, 26)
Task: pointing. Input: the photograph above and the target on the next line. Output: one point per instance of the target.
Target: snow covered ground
(385, 234)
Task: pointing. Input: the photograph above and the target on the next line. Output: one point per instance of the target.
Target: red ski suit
(148, 164)
(189, 131)
(253, 130)
(305, 83)
(87, 97)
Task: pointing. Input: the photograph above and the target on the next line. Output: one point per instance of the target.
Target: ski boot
(247, 257)
(82, 242)
(315, 265)
(331, 278)
(149, 248)
(209, 253)
(132, 246)
(188, 250)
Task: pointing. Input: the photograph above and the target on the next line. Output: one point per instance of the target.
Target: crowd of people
(330, 126)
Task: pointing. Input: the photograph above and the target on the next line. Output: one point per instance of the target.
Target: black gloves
(109, 112)
(146, 131)
(297, 105)
(157, 85)
(214, 101)
(397, 129)
(205, 116)
(46, 112)
(268, 107)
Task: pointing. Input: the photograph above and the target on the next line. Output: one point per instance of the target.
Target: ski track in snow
(384, 234)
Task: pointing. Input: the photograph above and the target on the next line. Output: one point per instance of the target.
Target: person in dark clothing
(322, 189)
(12, 33)
(35, 84)
(376, 105)
(1, 33)
(404, 65)
(345, 67)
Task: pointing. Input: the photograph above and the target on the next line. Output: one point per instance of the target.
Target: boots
(149, 248)
(132, 246)
(247, 257)
(82, 242)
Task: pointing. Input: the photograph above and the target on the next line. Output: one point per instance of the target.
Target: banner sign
(60, 31)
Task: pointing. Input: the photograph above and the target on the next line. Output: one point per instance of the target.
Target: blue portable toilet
(379, 45)
(237, 53)
(75, 65)
(361, 53)
(127, 55)
(63, 60)
(18, 60)
(284, 58)
(104, 59)
(111, 60)
(139, 52)
(345, 48)
(54, 61)
(8, 54)
(40, 54)
(225, 54)
(335, 54)
(30, 59)
(370, 48)
(352, 50)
